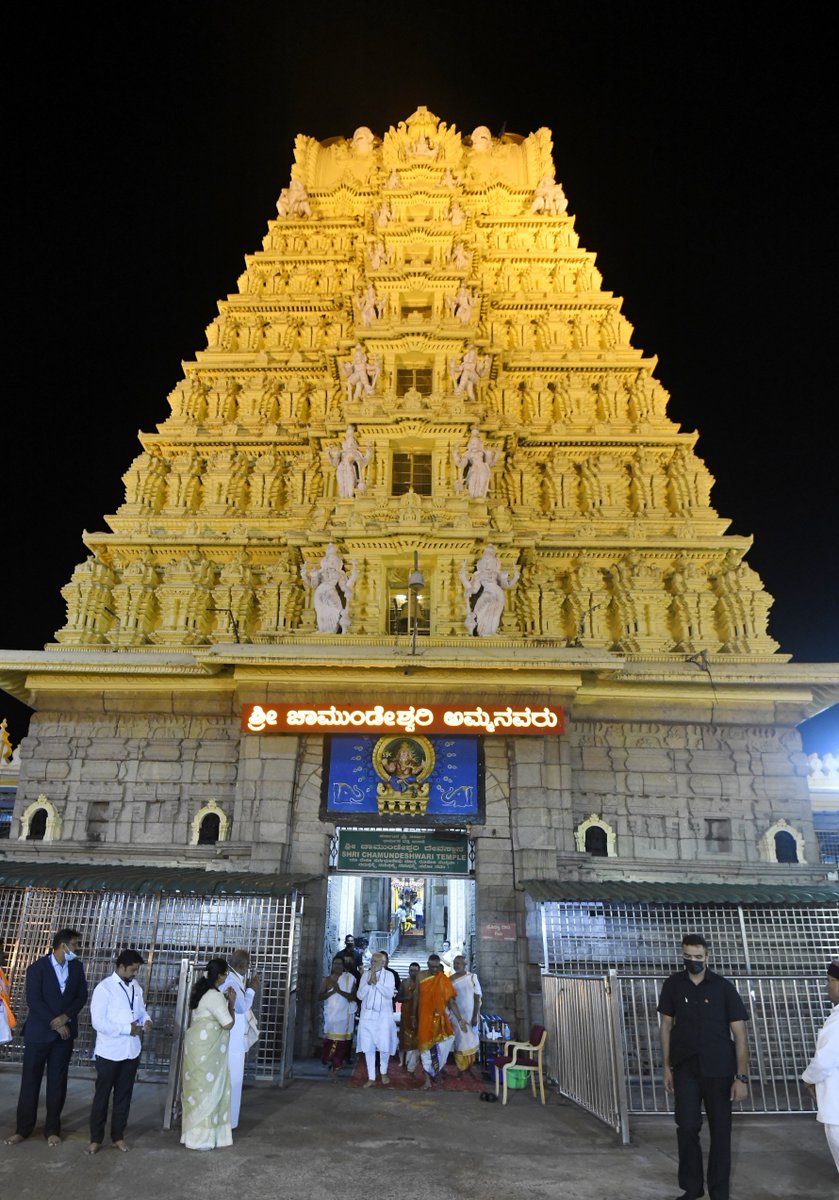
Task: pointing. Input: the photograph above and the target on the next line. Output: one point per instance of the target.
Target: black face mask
(695, 968)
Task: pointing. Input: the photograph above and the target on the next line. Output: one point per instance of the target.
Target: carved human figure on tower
(370, 308)
(459, 256)
(333, 590)
(382, 215)
(362, 140)
(378, 256)
(475, 466)
(484, 592)
(466, 373)
(361, 375)
(349, 461)
(423, 147)
(549, 197)
(294, 201)
(456, 214)
(462, 304)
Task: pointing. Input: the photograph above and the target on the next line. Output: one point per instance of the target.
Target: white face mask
(69, 954)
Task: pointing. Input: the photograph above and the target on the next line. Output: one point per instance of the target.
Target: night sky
(145, 154)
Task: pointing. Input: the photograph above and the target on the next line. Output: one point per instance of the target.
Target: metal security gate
(584, 1051)
(775, 955)
(167, 930)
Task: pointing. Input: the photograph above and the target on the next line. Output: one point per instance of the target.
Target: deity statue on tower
(349, 461)
(487, 584)
(466, 373)
(361, 375)
(333, 589)
(475, 466)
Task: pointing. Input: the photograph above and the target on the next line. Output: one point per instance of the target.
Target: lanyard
(128, 995)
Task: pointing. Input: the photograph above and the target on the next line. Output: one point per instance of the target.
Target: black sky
(145, 154)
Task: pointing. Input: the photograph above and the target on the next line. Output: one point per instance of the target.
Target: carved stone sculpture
(466, 373)
(294, 201)
(549, 197)
(462, 304)
(475, 466)
(360, 374)
(459, 256)
(332, 591)
(378, 256)
(484, 592)
(370, 307)
(349, 462)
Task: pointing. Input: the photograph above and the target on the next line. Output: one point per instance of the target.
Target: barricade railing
(785, 1015)
(604, 1053)
(584, 1050)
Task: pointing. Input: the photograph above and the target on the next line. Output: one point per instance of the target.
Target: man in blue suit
(56, 992)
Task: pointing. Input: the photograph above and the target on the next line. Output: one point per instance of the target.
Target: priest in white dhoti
(245, 989)
(822, 1074)
(376, 1024)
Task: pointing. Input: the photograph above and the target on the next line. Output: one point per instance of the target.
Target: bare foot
(53, 1140)
(385, 1080)
(120, 1145)
(426, 1087)
(94, 1148)
(369, 1083)
(15, 1139)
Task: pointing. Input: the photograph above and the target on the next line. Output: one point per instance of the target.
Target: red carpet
(402, 1081)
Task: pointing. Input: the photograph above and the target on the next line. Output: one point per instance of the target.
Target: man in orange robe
(435, 1033)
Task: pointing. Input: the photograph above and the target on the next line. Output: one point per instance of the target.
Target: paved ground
(318, 1141)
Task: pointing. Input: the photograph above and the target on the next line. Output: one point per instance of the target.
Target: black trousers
(116, 1077)
(55, 1057)
(692, 1091)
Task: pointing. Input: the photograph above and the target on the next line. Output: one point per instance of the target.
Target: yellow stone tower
(421, 360)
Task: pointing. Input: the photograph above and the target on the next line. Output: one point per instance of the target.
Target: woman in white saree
(205, 1081)
(469, 996)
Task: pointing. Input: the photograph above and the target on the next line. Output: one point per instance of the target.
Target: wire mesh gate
(775, 956)
(169, 931)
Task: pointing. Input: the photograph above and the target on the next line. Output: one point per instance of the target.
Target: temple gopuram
(418, 597)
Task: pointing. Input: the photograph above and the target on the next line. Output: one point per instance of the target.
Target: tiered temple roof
(421, 359)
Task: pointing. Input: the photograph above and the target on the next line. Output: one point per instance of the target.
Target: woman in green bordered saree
(205, 1081)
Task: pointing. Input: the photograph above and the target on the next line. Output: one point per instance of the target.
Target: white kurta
(376, 1024)
(823, 1071)
(236, 1052)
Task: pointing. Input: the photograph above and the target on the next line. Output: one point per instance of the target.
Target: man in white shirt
(376, 1025)
(118, 1014)
(245, 989)
(822, 1074)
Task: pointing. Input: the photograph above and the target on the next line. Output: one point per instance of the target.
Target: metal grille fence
(643, 939)
(165, 929)
(785, 1015)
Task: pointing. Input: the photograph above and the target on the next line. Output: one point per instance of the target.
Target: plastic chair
(525, 1056)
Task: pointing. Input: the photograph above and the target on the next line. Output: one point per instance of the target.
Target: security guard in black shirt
(700, 1015)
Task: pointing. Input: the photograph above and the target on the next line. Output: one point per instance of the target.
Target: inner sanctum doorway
(409, 915)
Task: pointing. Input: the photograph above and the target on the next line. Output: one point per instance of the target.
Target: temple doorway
(408, 915)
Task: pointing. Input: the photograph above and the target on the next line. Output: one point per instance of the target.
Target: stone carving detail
(462, 304)
(742, 610)
(184, 600)
(370, 307)
(349, 462)
(294, 201)
(333, 589)
(360, 374)
(88, 597)
(468, 371)
(378, 256)
(688, 482)
(475, 466)
(549, 197)
(484, 591)
(135, 604)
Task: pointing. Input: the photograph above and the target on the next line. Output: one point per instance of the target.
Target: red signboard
(409, 718)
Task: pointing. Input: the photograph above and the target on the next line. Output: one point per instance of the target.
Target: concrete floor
(315, 1140)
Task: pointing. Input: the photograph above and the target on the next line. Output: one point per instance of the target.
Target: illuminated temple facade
(420, 464)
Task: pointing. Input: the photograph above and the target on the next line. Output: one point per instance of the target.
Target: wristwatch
(742, 1078)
